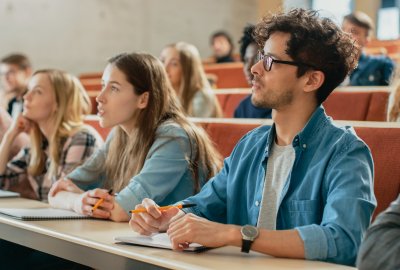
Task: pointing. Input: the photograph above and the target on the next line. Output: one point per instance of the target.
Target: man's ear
(143, 100)
(315, 79)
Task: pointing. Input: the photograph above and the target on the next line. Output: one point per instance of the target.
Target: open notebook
(8, 194)
(40, 213)
(160, 240)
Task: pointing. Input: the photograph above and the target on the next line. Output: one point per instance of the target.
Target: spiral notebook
(40, 213)
(159, 240)
(8, 194)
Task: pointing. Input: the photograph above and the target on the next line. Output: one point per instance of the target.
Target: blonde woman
(54, 108)
(153, 150)
(185, 71)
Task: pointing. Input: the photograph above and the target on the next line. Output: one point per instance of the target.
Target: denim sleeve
(350, 202)
(211, 200)
(165, 166)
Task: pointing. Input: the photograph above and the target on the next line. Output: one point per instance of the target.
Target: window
(334, 10)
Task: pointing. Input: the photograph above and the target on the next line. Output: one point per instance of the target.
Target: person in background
(153, 151)
(222, 47)
(54, 109)
(380, 248)
(286, 189)
(249, 56)
(371, 69)
(15, 72)
(186, 73)
(394, 104)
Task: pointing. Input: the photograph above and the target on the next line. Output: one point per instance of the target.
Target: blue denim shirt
(165, 177)
(372, 70)
(328, 197)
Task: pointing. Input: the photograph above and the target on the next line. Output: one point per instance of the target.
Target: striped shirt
(76, 149)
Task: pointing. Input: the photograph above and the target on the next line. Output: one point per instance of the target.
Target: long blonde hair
(72, 104)
(194, 78)
(127, 154)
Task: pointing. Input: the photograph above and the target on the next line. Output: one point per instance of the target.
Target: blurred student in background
(186, 74)
(249, 56)
(222, 47)
(15, 71)
(371, 69)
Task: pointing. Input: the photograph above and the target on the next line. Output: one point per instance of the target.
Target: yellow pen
(100, 201)
(180, 206)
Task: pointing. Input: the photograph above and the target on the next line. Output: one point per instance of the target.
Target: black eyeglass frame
(268, 61)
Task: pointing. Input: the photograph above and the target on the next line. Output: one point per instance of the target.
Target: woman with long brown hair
(153, 151)
(186, 73)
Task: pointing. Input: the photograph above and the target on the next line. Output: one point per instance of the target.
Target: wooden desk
(91, 242)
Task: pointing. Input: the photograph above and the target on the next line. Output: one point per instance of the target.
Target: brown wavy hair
(127, 154)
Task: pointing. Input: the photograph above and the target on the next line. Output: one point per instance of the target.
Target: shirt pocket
(304, 212)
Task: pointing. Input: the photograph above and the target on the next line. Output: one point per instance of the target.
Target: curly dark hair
(313, 40)
(246, 39)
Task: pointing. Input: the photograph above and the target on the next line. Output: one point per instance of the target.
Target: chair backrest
(382, 138)
(350, 103)
(228, 75)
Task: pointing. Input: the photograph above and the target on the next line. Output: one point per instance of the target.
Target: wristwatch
(249, 234)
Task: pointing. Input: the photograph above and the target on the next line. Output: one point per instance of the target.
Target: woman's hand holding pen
(153, 220)
(87, 201)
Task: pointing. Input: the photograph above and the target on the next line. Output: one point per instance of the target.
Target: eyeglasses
(268, 61)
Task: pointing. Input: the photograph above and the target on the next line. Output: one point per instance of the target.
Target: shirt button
(257, 203)
(304, 145)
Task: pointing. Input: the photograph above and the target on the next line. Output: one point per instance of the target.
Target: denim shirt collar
(314, 124)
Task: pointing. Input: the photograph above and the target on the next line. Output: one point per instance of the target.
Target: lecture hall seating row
(345, 103)
(226, 75)
(382, 138)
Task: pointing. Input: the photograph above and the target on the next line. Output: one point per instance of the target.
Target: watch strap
(246, 244)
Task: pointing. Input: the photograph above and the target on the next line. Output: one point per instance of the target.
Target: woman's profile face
(117, 101)
(40, 100)
(172, 63)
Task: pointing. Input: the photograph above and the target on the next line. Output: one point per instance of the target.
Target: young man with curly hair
(302, 188)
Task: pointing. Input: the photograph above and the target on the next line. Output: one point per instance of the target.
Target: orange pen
(162, 208)
(100, 201)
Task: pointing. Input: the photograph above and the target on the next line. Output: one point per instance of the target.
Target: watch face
(249, 231)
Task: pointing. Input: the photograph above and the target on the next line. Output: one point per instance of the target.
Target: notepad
(160, 240)
(40, 213)
(8, 194)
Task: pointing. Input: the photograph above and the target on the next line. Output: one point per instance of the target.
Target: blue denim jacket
(372, 70)
(328, 197)
(165, 177)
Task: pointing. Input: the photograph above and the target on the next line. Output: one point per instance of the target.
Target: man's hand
(194, 229)
(153, 220)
